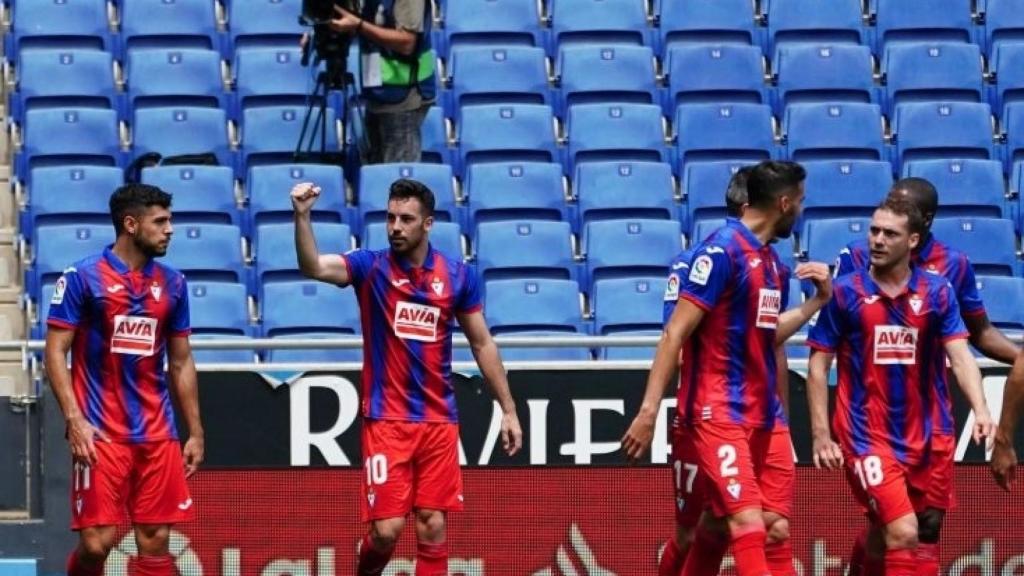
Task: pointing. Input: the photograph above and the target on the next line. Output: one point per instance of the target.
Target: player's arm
(1004, 456)
(782, 376)
(990, 340)
(968, 376)
(185, 386)
(323, 267)
(825, 450)
(791, 320)
(397, 39)
(681, 325)
(81, 434)
(485, 351)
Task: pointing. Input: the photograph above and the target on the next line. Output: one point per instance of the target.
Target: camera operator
(397, 73)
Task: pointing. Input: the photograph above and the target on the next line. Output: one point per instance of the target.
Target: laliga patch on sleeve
(700, 271)
(672, 288)
(58, 292)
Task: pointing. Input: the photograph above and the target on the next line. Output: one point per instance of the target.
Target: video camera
(330, 47)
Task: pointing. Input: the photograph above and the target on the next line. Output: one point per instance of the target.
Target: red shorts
(887, 488)
(941, 493)
(730, 468)
(409, 465)
(144, 481)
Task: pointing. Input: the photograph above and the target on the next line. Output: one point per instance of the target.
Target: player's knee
(929, 525)
(94, 550)
(778, 530)
(430, 524)
(385, 533)
(745, 522)
(152, 540)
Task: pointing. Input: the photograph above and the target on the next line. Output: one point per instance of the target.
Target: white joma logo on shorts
(185, 505)
(416, 321)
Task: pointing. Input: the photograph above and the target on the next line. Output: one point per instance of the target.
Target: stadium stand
(705, 21)
(699, 73)
(823, 73)
(793, 22)
(514, 191)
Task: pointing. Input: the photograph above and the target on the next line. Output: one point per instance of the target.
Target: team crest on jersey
(895, 345)
(733, 488)
(915, 303)
(156, 291)
(437, 286)
(700, 272)
(672, 288)
(769, 302)
(416, 321)
(135, 335)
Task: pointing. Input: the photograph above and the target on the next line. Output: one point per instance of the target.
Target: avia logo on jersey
(895, 345)
(134, 335)
(416, 321)
(769, 302)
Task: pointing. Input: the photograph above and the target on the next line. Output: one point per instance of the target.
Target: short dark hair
(404, 189)
(132, 200)
(902, 206)
(919, 191)
(768, 179)
(736, 193)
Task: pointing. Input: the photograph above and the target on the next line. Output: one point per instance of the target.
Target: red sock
(857, 556)
(900, 563)
(671, 559)
(704, 558)
(162, 565)
(927, 560)
(431, 559)
(780, 558)
(76, 567)
(748, 550)
(371, 560)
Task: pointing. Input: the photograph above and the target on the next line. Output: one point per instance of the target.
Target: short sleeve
(845, 261)
(409, 15)
(824, 335)
(469, 300)
(68, 300)
(953, 327)
(966, 287)
(359, 263)
(708, 277)
(180, 324)
(678, 270)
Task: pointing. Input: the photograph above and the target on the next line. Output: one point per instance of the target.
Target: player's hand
(1004, 463)
(818, 274)
(81, 437)
(511, 433)
(304, 195)
(638, 438)
(984, 427)
(192, 454)
(826, 452)
(346, 22)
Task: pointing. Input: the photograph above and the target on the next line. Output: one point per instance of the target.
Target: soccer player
(119, 313)
(1004, 456)
(892, 326)
(934, 257)
(409, 297)
(728, 317)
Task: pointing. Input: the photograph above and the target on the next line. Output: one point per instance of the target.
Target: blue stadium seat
(823, 73)
(822, 239)
(219, 308)
(170, 131)
(61, 245)
(1013, 133)
(524, 249)
(990, 243)
(208, 252)
(515, 191)
(63, 78)
(68, 136)
(845, 188)
(601, 132)
(201, 193)
(966, 187)
(709, 132)
(702, 73)
(597, 21)
(270, 134)
(69, 195)
(64, 25)
(167, 24)
(253, 23)
(375, 183)
(702, 229)
(600, 73)
(628, 307)
(1002, 297)
(492, 22)
(445, 237)
(926, 130)
(434, 135)
(497, 74)
(628, 247)
(812, 22)
(831, 131)
(609, 190)
(704, 185)
(270, 76)
(174, 77)
(536, 307)
(928, 20)
(274, 249)
(505, 133)
(297, 312)
(704, 21)
(1008, 66)
(267, 189)
(930, 72)
(1004, 23)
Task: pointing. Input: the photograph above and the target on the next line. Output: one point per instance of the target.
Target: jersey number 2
(727, 454)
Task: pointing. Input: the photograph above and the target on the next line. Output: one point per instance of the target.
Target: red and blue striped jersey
(941, 259)
(122, 319)
(728, 371)
(890, 353)
(407, 316)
